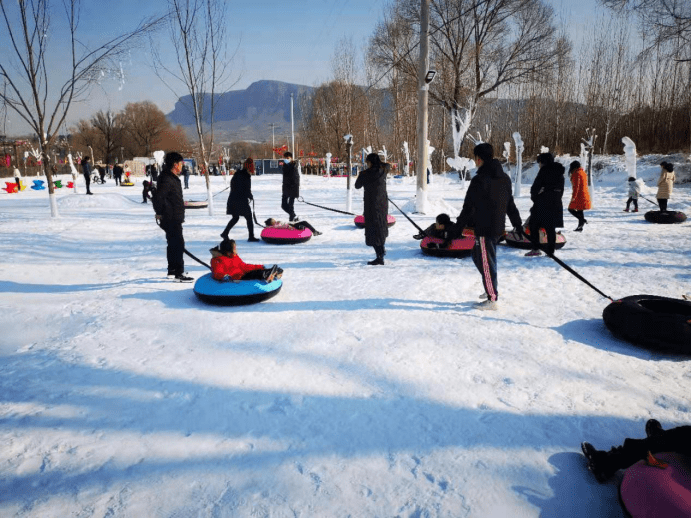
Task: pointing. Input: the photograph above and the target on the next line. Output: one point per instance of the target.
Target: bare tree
(110, 128)
(665, 22)
(203, 67)
(41, 91)
(144, 123)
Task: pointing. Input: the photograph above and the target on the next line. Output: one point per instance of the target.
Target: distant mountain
(246, 115)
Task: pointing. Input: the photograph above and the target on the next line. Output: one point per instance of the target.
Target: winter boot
(379, 260)
(626, 211)
(601, 464)
(533, 253)
(252, 239)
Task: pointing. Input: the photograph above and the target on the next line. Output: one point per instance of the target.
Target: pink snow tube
(648, 491)
(281, 236)
(459, 248)
(360, 221)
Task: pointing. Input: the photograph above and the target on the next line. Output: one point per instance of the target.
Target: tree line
(506, 66)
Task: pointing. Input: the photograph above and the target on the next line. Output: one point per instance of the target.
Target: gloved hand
(158, 219)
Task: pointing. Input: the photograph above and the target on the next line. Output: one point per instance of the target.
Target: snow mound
(100, 201)
(436, 205)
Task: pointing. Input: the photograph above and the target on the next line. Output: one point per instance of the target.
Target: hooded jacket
(546, 194)
(168, 200)
(291, 181)
(581, 198)
(374, 183)
(488, 201)
(665, 184)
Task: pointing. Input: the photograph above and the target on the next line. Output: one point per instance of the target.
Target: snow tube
(648, 491)
(279, 236)
(191, 204)
(667, 217)
(246, 292)
(10, 187)
(522, 242)
(127, 184)
(459, 248)
(38, 185)
(658, 323)
(360, 221)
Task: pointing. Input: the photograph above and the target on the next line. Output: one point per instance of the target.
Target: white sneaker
(487, 305)
(484, 295)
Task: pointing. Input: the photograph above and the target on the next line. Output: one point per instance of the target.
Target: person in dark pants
(546, 212)
(290, 188)
(605, 464)
(239, 199)
(488, 201)
(118, 174)
(102, 174)
(154, 172)
(186, 176)
(86, 171)
(170, 213)
(665, 185)
(373, 180)
(147, 191)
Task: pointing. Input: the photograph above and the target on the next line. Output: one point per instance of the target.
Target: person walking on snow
(170, 213)
(633, 190)
(238, 203)
(546, 212)
(488, 201)
(86, 171)
(18, 178)
(665, 185)
(290, 188)
(581, 198)
(373, 180)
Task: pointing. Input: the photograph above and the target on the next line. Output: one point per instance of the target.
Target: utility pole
(273, 125)
(293, 140)
(422, 162)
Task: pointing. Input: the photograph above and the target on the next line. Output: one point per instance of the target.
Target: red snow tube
(522, 242)
(658, 323)
(648, 491)
(280, 236)
(360, 221)
(667, 217)
(459, 248)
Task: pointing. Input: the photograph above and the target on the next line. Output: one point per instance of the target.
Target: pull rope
(300, 199)
(414, 223)
(187, 251)
(254, 217)
(570, 270)
(650, 201)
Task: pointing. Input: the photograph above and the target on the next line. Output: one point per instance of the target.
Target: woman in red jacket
(226, 265)
(581, 198)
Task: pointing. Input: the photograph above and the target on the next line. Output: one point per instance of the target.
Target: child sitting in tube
(300, 225)
(226, 265)
(440, 229)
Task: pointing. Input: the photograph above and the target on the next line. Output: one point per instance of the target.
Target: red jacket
(234, 267)
(581, 198)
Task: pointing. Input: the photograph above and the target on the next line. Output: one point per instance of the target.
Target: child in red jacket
(226, 265)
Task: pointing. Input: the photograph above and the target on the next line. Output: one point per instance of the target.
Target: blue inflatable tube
(227, 293)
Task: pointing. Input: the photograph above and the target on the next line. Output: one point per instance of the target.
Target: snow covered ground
(357, 391)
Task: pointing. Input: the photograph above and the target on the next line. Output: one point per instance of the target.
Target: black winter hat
(545, 158)
(574, 165)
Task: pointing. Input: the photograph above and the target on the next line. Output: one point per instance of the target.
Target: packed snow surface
(357, 391)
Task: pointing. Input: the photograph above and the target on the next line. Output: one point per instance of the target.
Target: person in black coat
(239, 199)
(290, 188)
(488, 201)
(86, 171)
(170, 213)
(118, 174)
(373, 180)
(546, 212)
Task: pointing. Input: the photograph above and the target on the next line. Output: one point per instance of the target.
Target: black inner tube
(666, 307)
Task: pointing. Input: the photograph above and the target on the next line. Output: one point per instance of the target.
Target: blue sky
(290, 41)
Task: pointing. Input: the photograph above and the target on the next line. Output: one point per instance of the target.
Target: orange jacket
(581, 198)
(234, 267)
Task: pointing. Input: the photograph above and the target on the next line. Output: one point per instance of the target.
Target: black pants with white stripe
(484, 256)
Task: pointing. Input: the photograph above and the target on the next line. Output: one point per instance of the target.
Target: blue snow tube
(228, 293)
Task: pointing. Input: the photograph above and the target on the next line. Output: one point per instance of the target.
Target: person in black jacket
(86, 171)
(170, 213)
(487, 202)
(118, 174)
(373, 180)
(239, 199)
(290, 188)
(546, 212)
